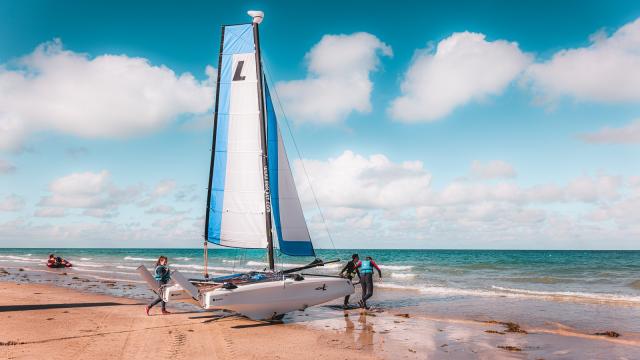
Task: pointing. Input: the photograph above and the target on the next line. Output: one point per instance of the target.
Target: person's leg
(369, 286)
(346, 300)
(155, 302)
(164, 304)
(363, 285)
(368, 281)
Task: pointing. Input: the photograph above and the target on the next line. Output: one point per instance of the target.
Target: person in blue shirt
(365, 270)
(162, 276)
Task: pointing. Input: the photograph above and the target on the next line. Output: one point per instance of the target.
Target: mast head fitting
(256, 15)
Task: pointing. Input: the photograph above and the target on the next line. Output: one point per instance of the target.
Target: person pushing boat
(162, 276)
(365, 270)
(348, 272)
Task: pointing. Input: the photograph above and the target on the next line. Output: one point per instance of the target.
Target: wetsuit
(162, 276)
(366, 279)
(349, 271)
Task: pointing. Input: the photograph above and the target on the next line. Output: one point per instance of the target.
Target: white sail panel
(237, 216)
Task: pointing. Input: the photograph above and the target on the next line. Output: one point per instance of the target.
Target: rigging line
(295, 145)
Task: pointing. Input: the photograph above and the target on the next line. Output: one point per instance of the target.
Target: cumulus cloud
(629, 134)
(94, 192)
(372, 199)
(12, 202)
(338, 81)
(608, 70)
(6, 167)
(108, 96)
(492, 169)
(357, 181)
(464, 67)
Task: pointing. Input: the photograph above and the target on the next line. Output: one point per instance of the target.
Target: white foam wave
(571, 294)
(498, 291)
(126, 267)
(86, 259)
(21, 259)
(403, 276)
(396, 267)
(184, 258)
(131, 258)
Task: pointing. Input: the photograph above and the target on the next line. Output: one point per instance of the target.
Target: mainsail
(236, 212)
(251, 188)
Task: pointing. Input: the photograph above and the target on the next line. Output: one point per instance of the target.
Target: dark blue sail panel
(288, 218)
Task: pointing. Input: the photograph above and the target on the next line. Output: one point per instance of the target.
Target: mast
(257, 19)
(213, 155)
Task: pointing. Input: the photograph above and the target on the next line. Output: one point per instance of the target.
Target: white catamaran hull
(269, 299)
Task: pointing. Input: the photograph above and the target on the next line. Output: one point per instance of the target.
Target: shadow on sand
(5, 308)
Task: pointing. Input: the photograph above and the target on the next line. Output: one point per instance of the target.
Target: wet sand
(60, 323)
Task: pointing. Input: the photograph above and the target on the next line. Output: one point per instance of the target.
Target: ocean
(583, 289)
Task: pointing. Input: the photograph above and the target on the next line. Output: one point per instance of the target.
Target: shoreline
(89, 325)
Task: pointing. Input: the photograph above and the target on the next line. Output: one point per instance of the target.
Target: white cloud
(373, 201)
(338, 80)
(628, 134)
(93, 192)
(464, 67)
(12, 202)
(608, 70)
(103, 97)
(6, 167)
(353, 180)
(492, 169)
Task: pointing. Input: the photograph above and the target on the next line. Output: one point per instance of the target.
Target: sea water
(584, 289)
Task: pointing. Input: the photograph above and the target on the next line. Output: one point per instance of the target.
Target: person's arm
(373, 263)
(344, 269)
(357, 266)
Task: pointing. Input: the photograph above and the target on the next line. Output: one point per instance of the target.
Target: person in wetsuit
(52, 262)
(162, 276)
(349, 271)
(365, 269)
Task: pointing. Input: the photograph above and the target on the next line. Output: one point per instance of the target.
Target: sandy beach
(66, 324)
(61, 323)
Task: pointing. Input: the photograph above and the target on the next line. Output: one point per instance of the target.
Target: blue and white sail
(288, 218)
(252, 194)
(236, 212)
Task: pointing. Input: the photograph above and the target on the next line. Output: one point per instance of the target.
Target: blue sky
(519, 124)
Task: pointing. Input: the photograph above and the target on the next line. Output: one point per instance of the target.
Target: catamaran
(252, 196)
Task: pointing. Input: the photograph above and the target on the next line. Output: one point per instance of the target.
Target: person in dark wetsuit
(162, 276)
(349, 271)
(365, 268)
(52, 262)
